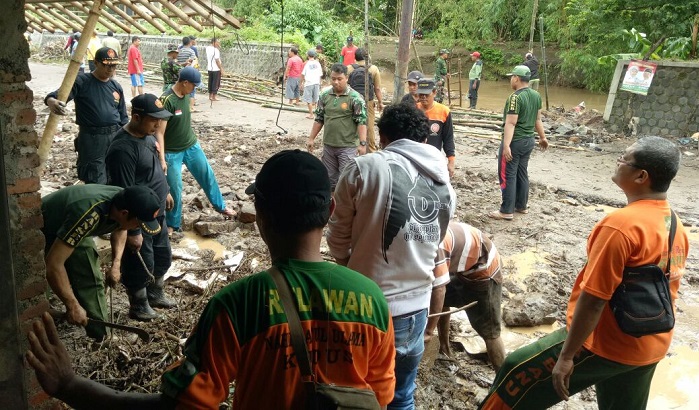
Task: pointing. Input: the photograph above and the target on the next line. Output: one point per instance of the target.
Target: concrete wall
(669, 109)
(253, 59)
(22, 270)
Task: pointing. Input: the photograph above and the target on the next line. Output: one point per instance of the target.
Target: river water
(492, 94)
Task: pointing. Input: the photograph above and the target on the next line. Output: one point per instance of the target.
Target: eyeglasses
(621, 160)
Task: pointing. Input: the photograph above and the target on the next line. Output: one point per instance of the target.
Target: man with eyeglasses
(100, 110)
(592, 349)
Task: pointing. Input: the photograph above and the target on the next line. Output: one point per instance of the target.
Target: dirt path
(543, 250)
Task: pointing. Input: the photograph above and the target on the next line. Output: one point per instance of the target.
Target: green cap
(521, 71)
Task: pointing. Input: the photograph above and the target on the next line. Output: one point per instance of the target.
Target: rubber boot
(139, 308)
(156, 295)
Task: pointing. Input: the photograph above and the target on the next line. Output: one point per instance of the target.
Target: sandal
(522, 211)
(499, 215)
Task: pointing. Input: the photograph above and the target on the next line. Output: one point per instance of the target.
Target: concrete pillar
(22, 269)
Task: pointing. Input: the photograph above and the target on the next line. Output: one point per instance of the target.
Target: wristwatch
(362, 143)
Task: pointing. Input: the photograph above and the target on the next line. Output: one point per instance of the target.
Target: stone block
(247, 213)
(211, 228)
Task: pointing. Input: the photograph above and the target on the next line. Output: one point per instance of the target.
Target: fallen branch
(464, 307)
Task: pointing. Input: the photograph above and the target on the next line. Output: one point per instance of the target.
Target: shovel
(142, 334)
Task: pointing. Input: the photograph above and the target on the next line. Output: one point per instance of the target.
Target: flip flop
(522, 211)
(501, 216)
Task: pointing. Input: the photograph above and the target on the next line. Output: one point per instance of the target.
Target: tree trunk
(695, 30)
(404, 39)
(533, 26)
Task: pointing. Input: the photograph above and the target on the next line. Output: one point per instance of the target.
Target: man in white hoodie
(393, 209)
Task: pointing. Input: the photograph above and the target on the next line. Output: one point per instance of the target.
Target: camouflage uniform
(440, 73)
(171, 72)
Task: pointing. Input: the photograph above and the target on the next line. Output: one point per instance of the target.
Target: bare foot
(311, 116)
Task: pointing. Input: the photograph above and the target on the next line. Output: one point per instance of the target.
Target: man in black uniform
(411, 96)
(100, 110)
(133, 159)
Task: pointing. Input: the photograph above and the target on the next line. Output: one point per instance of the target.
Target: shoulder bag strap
(298, 340)
(673, 228)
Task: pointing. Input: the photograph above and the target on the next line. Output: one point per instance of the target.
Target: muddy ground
(571, 190)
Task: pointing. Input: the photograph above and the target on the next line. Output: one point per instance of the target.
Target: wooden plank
(208, 15)
(68, 80)
(145, 16)
(221, 13)
(126, 17)
(70, 14)
(99, 18)
(46, 18)
(39, 23)
(181, 14)
(162, 16)
(71, 23)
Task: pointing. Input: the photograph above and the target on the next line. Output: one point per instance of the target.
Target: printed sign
(639, 76)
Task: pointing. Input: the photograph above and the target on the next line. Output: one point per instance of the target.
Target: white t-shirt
(212, 54)
(312, 71)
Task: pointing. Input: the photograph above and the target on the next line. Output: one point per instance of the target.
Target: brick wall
(252, 59)
(24, 272)
(671, 107)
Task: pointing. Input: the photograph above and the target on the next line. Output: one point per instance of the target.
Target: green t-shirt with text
(525, 103)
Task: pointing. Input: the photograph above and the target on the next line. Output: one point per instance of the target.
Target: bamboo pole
(181, 14)
(70, 14)
(40, 23)
(461, 95)
(72, 24)
(126, 17)
(204, 13)
(145, 16)
(221, 13)
(35, 27)
(162, 16)
(446, 81)
(48, 19)
(69, 79)
(101, 19)
(417, 56)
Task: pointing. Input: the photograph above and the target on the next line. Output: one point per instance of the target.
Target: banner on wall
(639, 76)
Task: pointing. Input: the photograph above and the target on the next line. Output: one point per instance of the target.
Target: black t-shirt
(533, 65)
(97, 103)
(408, 98)
(135, 161)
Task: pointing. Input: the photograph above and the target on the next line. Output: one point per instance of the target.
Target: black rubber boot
(156, 295)
(139, 308)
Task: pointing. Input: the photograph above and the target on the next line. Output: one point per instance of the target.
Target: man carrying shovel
(74, 214)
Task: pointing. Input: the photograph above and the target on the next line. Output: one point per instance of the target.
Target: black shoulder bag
(320, 396)
(642, 304)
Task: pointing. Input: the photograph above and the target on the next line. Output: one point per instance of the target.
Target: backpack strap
(298, 340)
(673, 229)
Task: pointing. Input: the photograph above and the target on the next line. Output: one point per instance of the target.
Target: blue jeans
(410, 344)
(197, 164)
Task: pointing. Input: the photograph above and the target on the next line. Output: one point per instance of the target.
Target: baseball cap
(425, 86)
(190, 74)
(444, 51)
(143, 203)
(106, 55)
(288, 179)
(413, 76)
(149, 105)
(521, 71)
(312, 53)
(476, 54)
(350, 38)
(172, 48)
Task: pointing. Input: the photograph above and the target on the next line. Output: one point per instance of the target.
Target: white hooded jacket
(393, 210)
